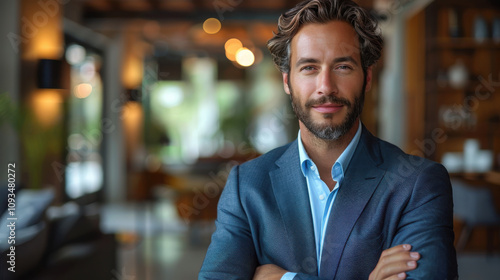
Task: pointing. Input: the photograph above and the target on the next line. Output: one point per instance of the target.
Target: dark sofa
(54, 242)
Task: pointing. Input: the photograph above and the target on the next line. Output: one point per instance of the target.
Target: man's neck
(322, 152)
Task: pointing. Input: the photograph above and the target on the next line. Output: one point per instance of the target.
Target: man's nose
(326, 83)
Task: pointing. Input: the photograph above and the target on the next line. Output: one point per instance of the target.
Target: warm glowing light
(41, 30)
(245, 57)
(232, 46)
(82, 90)
(211, 25)
(132, 71)
(133, 118)
(46, 105)
(47, 47)
(231, 56)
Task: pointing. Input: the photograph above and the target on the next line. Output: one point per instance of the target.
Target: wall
(9, 81)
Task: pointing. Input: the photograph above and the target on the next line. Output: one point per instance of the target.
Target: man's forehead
(339, 36)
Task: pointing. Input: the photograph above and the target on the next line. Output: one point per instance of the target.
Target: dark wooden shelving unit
(480, 97)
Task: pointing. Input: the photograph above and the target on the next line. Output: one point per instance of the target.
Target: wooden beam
(91, 15)
(155, 4)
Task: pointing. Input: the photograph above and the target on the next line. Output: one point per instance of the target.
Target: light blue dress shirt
(321, 198)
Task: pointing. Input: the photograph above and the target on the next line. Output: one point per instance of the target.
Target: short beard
(328, 132)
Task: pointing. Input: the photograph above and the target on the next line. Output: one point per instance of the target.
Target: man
(337, 203)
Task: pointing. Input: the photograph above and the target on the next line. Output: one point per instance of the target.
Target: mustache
(328, 99)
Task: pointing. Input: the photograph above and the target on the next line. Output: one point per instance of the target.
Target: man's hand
(394, 262)
(269, 272)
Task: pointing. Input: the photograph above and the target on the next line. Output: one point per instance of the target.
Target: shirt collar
(342, 162)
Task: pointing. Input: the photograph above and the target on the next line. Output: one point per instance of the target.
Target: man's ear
(368, 78)
(285, 83)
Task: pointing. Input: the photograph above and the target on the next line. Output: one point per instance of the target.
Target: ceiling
(175, 25)
(168, 10)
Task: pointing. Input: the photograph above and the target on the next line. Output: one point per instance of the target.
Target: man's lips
(328, 108)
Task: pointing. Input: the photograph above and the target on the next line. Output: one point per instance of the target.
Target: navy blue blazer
(387, 198)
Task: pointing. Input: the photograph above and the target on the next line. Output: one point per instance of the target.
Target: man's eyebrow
(345, 59)
(305, 60)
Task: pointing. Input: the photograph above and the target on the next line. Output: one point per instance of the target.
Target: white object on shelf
(484, 161)
(476, 160)
(453, 162)
(458, 75)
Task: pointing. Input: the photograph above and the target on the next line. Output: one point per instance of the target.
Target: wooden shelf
(463, 44)
(493, 177)
(471, 86)
(476, 132)
(431, 53)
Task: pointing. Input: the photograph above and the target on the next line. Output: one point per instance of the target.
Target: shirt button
(321, 197)
(313, 168)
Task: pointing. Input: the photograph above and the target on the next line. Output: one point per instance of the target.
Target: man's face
(326, 80)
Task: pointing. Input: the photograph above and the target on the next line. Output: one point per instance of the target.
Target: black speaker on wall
(50, 74)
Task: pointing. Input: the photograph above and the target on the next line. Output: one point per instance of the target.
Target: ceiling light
(232, 46)
(245, 57)
(211, 25)
(83, 90)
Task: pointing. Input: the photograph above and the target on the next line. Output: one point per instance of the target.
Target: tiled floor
(476, 266)
(155, 242)
(157, 245)
(167, 256)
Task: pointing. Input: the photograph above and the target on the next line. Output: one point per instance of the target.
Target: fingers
(397, 261)
(399, 276)
(268, 272)
(394, 262)
(396, 249)
(400, 255)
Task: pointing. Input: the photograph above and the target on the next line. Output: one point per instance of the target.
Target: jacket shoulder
(396, 160)
(267, 160)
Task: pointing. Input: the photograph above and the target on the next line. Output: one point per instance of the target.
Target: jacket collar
(290, 190)
(361, 179)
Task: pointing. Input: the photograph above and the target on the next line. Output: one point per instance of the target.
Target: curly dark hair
(323, 11)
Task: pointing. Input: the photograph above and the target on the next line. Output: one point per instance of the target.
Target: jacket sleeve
(231, 254)
(427, 224)
(303, 276)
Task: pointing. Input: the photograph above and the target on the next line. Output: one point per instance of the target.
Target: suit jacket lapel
(360, 180)
(290, 190)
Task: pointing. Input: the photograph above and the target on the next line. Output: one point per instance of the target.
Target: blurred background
(120, 121)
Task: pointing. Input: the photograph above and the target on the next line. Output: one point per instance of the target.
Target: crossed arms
(245, 249)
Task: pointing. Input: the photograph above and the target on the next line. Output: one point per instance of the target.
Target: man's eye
(307, 68)
(344, 67)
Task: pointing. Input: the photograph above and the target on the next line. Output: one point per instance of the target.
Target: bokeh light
(87, 70)
(232, 46)
(211, 25)
(46, 105)
(170, 96)
(75, 54)
(245, 57)
(83, 90)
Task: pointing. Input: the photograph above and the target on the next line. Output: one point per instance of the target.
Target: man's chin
(329, 119)
(328, 124)
(329, 130)
(321, 130)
